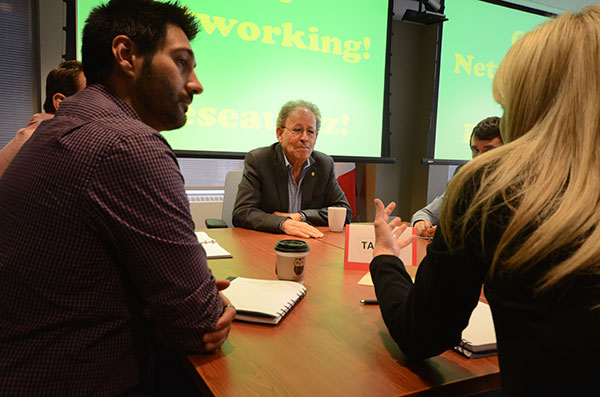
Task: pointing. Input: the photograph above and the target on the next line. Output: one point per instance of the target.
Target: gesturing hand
(386, 234)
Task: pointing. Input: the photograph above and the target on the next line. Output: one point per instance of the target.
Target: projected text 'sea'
(351, 51)
(252, 120)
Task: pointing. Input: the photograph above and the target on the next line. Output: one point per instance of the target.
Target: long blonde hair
(548, 173)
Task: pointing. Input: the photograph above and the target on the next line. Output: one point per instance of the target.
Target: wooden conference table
(329, 344)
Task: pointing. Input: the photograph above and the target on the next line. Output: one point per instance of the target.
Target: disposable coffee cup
(291, 259)
(336, 218)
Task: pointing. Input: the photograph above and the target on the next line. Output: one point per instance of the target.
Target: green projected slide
(475, 38)
(253, 56)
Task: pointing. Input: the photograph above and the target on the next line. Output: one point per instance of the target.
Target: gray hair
(289, 106)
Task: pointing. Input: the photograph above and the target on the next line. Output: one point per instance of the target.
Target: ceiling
(555, 6)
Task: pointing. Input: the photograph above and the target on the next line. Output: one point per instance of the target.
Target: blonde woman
(523, 220)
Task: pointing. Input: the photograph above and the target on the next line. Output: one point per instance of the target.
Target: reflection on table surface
(329, 343)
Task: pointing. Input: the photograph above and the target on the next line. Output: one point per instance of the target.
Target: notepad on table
(479, 338)
(263, 301)
(211, 247)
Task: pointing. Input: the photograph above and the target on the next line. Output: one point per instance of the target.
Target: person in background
(524, 220)
(62, 82)
(287, 187)
(485, 136)
(98, 256)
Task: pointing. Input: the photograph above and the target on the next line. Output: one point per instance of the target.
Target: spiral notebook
(479, 338)
(263, 301)
(211, 247)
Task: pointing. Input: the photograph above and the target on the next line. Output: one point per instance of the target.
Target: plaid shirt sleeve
(138, 201)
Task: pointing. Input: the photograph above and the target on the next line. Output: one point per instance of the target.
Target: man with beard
(287, 187)
(98, 249)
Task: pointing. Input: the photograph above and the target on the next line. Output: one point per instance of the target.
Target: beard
(160, 98)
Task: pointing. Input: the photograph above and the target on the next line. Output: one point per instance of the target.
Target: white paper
(211, 247)
(361, 241)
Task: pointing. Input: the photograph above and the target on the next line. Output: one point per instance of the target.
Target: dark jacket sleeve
(428, 317)
(333, 195)
(247, 212)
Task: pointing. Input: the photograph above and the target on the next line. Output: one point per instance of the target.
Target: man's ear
(57, 99)
(279, 134)
(126, 58)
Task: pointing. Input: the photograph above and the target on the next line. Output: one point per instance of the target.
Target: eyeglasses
(300, 131)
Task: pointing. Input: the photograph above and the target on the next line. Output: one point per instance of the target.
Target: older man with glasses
(287, 187)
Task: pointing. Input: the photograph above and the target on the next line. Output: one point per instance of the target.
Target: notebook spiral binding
(291, 303)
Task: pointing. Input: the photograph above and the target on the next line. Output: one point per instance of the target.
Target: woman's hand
(387, 234)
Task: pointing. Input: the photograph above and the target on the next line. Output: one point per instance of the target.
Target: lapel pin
(312, 173)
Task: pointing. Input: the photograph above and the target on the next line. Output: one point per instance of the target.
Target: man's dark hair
(64, 80)
(143, 21)
(487, 129)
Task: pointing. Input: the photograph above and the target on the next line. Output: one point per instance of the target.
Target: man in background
(97, 239)
(485, 136)
(287, 187)
(62, 82)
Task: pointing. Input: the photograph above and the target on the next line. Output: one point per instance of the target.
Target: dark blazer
(548, 344)
(264, 190)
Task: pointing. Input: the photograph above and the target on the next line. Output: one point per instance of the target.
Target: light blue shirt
(295, 192)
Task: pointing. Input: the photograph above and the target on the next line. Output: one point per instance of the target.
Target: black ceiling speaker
(428, 13)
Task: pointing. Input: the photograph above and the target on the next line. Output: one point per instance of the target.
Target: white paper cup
(291, 259)
(336, 217)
